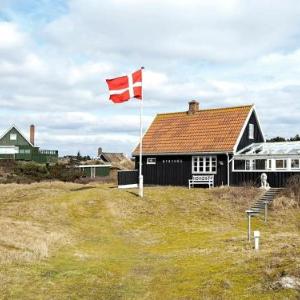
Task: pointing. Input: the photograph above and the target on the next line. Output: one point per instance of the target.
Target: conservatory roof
(271, 149)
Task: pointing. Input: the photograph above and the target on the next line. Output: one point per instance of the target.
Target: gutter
(181, 153)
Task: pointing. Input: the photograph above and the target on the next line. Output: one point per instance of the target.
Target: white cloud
(10, 36)
(209, 30)
(220, 52)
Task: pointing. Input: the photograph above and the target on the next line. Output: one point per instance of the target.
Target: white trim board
(128, 186)
(267, 171)
(93, 166)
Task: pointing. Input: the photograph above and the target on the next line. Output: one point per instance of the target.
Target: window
(280, 163)
(24, 151)
(251, 131)
(295, 164)
(204, 164)
(13, 137)
(151, 161)
(239, 164)
(269, 166)
(260, 164)
(250, 164)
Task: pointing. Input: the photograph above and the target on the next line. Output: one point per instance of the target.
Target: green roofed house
(14, 145)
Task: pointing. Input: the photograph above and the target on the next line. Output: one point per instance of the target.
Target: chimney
(32, 133)
(99, 151)
(193, 107)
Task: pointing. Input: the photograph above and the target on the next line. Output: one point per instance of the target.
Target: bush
(282, 202)
(293, 188)
(27, 172)
(64, 173)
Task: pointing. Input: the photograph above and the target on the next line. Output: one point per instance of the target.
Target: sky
(56, 54)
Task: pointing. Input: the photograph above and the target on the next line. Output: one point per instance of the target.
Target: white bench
(202, 179)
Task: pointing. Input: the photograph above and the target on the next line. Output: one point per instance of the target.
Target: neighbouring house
(226, 143)
(117, 160)
(14, 145)
(94, 171)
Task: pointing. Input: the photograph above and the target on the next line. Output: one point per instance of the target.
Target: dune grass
(68, 241)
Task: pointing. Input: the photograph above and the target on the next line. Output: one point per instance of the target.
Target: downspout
(228, 168)
(228, 173)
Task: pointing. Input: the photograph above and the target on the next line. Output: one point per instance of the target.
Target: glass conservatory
(268, 157)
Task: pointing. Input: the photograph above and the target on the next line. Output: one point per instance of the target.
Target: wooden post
(249, 227)
(249, 214)
(266, 211)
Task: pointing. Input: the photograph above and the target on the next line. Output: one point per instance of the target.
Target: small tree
(295, 138)
(277, 139)
(79, 157)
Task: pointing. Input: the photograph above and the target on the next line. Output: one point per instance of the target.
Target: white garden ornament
(264, 183)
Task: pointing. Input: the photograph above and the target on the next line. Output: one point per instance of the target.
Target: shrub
(64, 173)
(29, 172)
(293, 188)
(283, 202)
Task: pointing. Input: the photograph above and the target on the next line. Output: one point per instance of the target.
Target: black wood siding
(258, 136)
(275, 179)
(128, 177)
(177, 170)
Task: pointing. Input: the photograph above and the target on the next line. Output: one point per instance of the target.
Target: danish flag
(123, 88)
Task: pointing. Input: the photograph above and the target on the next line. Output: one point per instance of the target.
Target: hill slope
(62, 241)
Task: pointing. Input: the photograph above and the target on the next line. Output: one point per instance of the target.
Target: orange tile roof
(209, 130)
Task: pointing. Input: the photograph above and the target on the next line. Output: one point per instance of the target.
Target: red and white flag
(123, 88)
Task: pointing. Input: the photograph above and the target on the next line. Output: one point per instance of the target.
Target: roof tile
(209, 130)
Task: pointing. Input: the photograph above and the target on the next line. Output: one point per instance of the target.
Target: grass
(68, 241)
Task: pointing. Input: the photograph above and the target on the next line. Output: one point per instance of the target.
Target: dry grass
(25, 241)
(69, 241)
(30, 221)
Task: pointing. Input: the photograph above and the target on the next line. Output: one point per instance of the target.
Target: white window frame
(151, 160)
(286, 164)
(251, 131)
(199, 164)
(250, 165)
(13, 137)
(269, 164)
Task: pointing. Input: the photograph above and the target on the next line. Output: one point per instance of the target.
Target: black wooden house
(226, 145)
(197, 142)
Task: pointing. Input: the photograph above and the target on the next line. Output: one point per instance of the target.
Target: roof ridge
(281, 142)
(207, 109)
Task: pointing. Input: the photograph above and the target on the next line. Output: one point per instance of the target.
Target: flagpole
(141, 179)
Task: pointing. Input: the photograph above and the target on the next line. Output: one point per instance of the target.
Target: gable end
(13, 137)
(245, 138)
